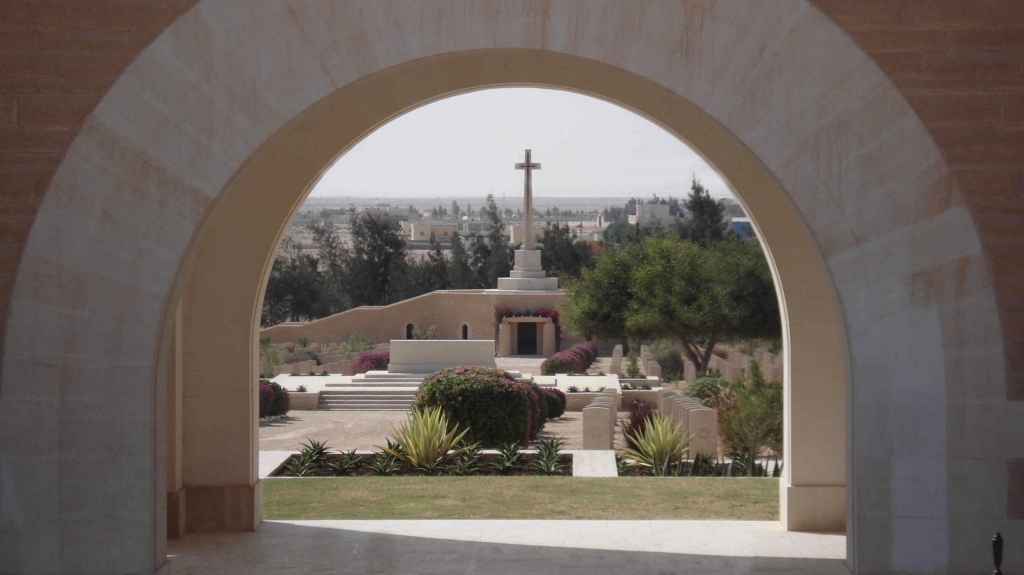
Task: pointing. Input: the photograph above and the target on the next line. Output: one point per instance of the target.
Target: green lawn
(520, 498)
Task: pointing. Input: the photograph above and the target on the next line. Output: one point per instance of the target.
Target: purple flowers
(576, 359)
(373, 361)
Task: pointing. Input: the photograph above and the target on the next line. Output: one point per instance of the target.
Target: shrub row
(372, 361)
(576, 359)
(495, 407)
(556, 402)
(273, 399)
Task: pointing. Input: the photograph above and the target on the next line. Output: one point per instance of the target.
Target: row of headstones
(310, 366)
(616, 367)
(697, 421)
(599, 421)
(738, 365)
(693, 418)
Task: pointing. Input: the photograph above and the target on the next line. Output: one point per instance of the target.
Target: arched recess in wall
(271, 185)
(465, 331)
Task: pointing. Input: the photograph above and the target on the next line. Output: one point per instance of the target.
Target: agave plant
(300, 465)
(424, 442)
(385, 464)
(508, 459)
(548, 461)
(660, 447)
(314, 450)
(347, 464)
(468, 463)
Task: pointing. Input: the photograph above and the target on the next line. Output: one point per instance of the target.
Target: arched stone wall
(122, 218)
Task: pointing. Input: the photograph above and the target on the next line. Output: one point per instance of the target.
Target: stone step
(373, 385)
(364, 408)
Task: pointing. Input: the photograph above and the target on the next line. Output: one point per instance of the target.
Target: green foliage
(669, 358)
(556, 402)
(468, 463)
(303, 342)
(620, 233)
(300, 389)
(707, 389)
(314, 450)
(425, 442)
(508, 458)
(385, 464)
(548, 460)
(347, 464)
(573, 389)
(633, 367)
(662, 288)
(494, 406)
(309, 458)
(704, 221)
(356, 343)
(561, 254)
(660, 447)
(753, 421)
(300, 466)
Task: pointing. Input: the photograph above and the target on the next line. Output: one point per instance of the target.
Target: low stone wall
(304, 401)
(651, 396)
(576, 401)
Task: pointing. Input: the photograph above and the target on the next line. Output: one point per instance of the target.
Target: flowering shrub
(274, 399)
(556, 401)
(373, 361)
(576, 359)
(495, 407)
(266, 398)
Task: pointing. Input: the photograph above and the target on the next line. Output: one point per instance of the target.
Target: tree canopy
(662, 287)
(561, 254)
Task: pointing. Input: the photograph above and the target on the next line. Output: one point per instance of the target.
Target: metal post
(997, 553)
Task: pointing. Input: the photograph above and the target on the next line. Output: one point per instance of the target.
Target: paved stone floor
(507, 547)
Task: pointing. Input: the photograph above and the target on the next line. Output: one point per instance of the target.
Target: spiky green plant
(508, 458)
(425, 442)
(385, 464)
(314, 450)
(548, 461)
(468, 463)
(660, 447)
(347, 464)
(300, 465)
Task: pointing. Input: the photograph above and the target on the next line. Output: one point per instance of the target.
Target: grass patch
(520, 498)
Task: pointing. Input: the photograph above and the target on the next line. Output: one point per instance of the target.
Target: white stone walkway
(510, 547)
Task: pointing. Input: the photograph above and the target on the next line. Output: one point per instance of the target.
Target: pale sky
(465, 146)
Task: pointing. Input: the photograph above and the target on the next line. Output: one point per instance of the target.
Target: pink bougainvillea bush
(556, 402)
(495, 407)
(373, 361)
(576, 359)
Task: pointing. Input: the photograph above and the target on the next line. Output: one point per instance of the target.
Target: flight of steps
(373, 391)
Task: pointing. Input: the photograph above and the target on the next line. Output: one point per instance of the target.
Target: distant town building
(652, 216)
(742, 227)
(421, 231)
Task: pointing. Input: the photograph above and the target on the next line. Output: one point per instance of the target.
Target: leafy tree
(562, 255)
(333, 257)
(704, 221)
(664, 288)
(460, 272)
(294, 291)
(378, 251)
(455, 209)
(436, 272)
(619, 233)
(493, 257)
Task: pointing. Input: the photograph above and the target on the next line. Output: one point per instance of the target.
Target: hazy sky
(466, 146)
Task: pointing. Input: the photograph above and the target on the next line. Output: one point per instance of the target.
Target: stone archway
(877, 258)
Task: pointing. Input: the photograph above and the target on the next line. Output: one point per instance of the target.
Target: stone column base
(818, 509)
(224, 507)
(176, 514)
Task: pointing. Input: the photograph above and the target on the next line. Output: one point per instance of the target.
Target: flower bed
(485, 466)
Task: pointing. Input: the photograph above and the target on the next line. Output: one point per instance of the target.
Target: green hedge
(490, 402)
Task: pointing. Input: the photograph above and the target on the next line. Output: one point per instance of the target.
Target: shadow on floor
(289, 548)
(278, 422)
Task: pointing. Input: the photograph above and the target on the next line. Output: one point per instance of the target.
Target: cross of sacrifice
(528, 200)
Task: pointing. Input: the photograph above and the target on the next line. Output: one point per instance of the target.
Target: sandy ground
(346, 430)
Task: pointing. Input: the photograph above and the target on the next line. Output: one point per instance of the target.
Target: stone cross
(528, 200)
